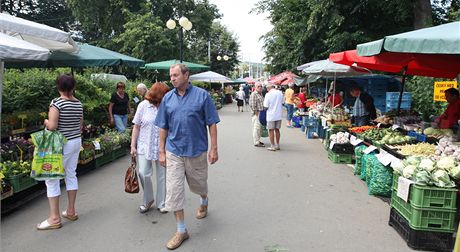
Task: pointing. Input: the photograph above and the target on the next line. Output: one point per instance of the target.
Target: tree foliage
(307, 30)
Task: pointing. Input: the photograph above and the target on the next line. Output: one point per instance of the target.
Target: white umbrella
(210, 76)
(13, 49)
(18, 34)
(38, 34)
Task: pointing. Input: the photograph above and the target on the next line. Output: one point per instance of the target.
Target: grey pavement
(294, 199)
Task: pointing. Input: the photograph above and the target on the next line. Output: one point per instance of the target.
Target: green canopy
(441, 39)
(87, 56)
(165, 65)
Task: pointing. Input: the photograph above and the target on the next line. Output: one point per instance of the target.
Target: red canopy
(283, 78)
(249, 80)
(433, 65)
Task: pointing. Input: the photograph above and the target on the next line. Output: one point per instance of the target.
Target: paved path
(294, 199)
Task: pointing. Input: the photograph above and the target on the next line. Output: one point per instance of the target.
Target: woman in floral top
(145, 144)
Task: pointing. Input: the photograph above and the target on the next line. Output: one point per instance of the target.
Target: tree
(223, 43)
(101, 20)
(54, 13)
(307, 30)
(423, 15)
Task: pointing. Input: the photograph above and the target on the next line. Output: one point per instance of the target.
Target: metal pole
(181, 38)
(209, 51)
(401, 91)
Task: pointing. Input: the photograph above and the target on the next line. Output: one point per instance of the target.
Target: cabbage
(412, 160)
(441, 178)
(428, 131)
(409, 171)
(446, 163)
(426, 164)
(423, 178)
(454, 172)
(397, 166)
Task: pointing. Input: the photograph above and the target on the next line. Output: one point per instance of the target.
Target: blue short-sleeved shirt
(186, 118)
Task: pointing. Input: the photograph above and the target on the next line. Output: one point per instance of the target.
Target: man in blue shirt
(183, 117)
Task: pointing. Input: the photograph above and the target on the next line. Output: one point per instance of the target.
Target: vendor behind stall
(364, 109)
(334, 99)
(449, 119)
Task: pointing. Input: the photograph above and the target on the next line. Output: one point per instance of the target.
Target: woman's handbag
(131, 180)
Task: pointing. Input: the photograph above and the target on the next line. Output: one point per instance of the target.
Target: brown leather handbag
(131, 179)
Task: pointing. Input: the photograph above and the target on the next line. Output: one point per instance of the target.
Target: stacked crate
(311, 126)
(392, 100)
(427, 220)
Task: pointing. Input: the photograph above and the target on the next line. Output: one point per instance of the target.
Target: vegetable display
(386, 136)
(418, 149)
(361, 129)
(339, 138)
(426, 171)
(438, 133)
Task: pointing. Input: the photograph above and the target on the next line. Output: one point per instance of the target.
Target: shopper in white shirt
(240, 99)
(274, 103)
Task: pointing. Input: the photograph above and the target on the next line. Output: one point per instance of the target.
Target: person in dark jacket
(363, 109)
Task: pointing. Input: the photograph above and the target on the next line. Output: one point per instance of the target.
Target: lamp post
(223, 58)
(184, 23)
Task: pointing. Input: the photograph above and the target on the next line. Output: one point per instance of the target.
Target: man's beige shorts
(194, 169)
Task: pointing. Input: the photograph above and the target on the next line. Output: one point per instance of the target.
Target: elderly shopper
(256, 104)
(185, 116)
(274, 103)
(145, 145)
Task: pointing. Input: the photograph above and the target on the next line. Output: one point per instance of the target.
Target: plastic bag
(47, 161)
(264, 131)
(358, 157)
(381, 180)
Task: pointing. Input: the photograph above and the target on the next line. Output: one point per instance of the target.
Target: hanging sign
(440, 87)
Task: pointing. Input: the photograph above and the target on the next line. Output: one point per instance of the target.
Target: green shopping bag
(264, 131)
(47, 161)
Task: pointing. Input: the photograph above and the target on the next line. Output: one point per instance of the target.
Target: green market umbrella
(87, 56)
(441, 39)
(165, 65)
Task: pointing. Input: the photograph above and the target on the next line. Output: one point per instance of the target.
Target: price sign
(331, 145)
(387, 159)
(394, 127)
(370, 149)
(96, 144)
(352, 138)
(378, 125)
(356, 141)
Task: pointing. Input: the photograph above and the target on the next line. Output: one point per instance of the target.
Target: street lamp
(225, 57)
(184, 23)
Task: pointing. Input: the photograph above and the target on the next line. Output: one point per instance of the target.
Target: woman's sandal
(69, 217)
(145, 208)
(45, 225)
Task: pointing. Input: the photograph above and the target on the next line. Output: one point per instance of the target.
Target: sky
(247, 27)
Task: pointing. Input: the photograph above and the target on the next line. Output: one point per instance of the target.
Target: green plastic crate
(21, 182)
(103, 159)
(119, 152)
(430, 196)
(427, 219)
(337, 158)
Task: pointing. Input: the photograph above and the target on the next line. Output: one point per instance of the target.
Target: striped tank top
(70, 114)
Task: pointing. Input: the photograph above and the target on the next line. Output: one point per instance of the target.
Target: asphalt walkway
(294, 199)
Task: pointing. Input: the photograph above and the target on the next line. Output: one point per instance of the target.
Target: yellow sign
(440, 87)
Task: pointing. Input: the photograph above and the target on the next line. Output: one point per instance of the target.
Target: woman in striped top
(65, 115)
